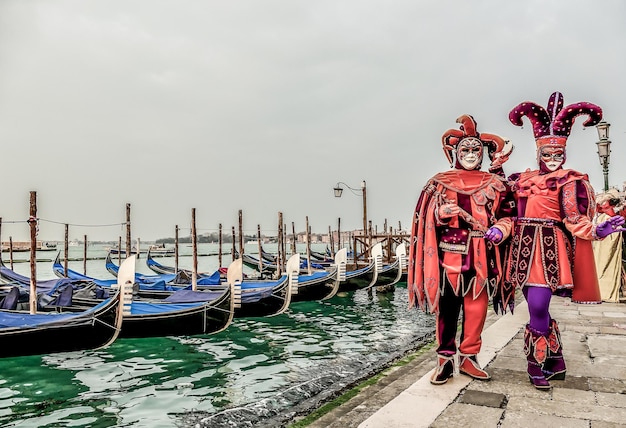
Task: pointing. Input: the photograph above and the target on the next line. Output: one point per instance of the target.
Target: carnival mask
(551, 158)
(469, 153)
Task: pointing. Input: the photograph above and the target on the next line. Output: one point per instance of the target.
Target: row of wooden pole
(281, 256)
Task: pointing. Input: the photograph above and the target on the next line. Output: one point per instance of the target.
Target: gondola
(171, 313)
(186, 312)
(259, 297)
(268, 268)
(322, 284)
(319, 283)
(269, 297)
(153, 289)
(159, 268)
(176, 278)
(386, 276)
(23, 333)
(359, 277)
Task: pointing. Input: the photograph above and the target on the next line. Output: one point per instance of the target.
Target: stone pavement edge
(592, 395)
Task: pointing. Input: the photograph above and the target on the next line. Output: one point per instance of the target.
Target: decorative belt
(539, 221)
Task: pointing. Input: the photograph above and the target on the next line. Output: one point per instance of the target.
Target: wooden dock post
(293, 239)
(241, 233)
(32, 221)
(194, 246)
(128, 241)
(308, 246)
(85, 255)
(176, 249)
(233, 251)
(219, 251)
(339, 247)
(284, 232)
(66, 248)
(11, 251)
(258, 241)
(281, 244)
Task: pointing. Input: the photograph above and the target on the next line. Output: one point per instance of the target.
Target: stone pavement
(592, 395)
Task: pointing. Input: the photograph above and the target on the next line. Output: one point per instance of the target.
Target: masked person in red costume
(453, 264)
(608, 252)
(550, 249)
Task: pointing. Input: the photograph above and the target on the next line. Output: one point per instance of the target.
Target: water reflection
(255, 372)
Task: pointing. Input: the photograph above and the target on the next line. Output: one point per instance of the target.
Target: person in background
(608, 252)
(453, 266)
(550, 248)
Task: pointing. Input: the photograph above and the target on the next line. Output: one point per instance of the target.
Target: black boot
(536, 350)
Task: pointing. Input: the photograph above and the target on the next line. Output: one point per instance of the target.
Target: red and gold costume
(451, 264)
(553, 230)
(550, 250)
(482, 195)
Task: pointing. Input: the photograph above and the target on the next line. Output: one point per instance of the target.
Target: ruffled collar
(536, 182)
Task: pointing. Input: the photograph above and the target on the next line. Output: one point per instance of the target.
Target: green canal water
(258, 372)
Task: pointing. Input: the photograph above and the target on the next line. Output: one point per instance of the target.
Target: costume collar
(467, 182)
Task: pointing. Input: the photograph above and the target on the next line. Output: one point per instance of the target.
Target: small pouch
(454, 240)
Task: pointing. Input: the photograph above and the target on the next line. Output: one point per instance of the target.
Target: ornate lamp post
(363, 192)
(604, 150)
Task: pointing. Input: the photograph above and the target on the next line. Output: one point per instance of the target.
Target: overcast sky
(264, 106)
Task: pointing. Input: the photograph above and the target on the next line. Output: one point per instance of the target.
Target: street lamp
(604, 150)
(362, 191)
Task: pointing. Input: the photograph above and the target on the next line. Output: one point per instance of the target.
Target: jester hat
(553, 125)
(452, 137)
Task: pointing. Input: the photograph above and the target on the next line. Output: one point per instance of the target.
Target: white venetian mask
(469, 153)
(552, 157)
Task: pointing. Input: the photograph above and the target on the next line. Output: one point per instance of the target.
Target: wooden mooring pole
(240, 233)
(281, 244)
(293, 239)
(66, 248)
(128, 242)
(85, 255)
(233, 251)
(194, 246)
(32, 221)
(308, 246)
(219, 251)
(258, 240)
(11, 251)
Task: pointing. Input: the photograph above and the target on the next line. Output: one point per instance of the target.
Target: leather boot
(554, 367)
(468, 365)
(444, 369)
(536, 350)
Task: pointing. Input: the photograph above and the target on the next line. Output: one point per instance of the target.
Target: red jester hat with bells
(452, 137)
(425, 259)
(551, 128)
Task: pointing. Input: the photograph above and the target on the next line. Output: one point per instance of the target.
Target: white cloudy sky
(264, 106)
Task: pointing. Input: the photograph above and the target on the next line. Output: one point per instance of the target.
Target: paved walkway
(592, 395)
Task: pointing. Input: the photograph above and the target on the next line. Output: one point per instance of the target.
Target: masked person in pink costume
(453, 266)
(550, 249)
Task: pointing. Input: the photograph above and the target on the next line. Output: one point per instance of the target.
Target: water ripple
(258, 372)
